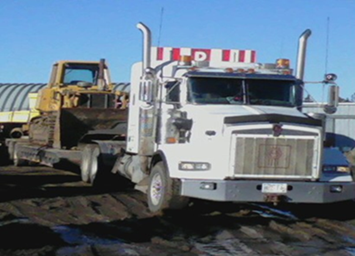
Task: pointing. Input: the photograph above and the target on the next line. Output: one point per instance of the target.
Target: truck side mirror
(333, 100)
(147, 86)
(182, 123)
(333, 93)
(146, 91)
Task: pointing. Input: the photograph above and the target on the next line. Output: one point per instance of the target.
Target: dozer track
(41, 129)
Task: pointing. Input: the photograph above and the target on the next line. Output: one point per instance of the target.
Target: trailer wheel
(95, 164)
(85, 165)
(92, 168)
(162, 191)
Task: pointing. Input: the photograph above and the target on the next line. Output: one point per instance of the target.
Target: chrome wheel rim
(93, 169)
(156, 189)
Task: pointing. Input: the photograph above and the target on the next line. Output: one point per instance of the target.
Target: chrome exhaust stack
(147, 44)
(301, 55)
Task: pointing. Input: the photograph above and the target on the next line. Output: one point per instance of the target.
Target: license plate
(274, 188)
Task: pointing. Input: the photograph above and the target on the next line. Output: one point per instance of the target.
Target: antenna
(326, 54)
(326, 49)
(160, 24)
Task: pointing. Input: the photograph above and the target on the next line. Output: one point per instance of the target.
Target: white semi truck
(214, 124)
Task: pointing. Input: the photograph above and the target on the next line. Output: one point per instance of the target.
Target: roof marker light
(228, 70)
(282, 63)
(185, 60)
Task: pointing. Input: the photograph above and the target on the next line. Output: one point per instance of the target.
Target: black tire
(93, 169)
(96, 165)
(86, 163)
(163, 191)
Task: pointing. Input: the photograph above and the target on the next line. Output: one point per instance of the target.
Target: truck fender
(157, 157)
(163, 192)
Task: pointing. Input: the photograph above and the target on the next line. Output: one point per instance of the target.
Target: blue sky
(35, 34)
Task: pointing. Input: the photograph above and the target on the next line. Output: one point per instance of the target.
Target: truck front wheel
(163, 191)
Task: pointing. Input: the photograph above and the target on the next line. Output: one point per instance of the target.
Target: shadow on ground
(170, 234)
(33, 182)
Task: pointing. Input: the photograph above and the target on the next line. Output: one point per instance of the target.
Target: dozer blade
(73, 123)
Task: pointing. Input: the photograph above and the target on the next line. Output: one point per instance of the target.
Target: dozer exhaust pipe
(101, 83)
(147, 43)
(301, 56)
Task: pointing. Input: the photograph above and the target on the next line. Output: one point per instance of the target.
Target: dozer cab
(78, 98)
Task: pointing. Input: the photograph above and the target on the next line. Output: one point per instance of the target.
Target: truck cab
(214, 124)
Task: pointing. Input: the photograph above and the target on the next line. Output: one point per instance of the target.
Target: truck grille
(257, 156)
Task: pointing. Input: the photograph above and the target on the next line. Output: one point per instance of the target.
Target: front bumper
(250, 191)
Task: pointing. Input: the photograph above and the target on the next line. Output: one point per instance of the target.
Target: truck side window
(172, 92)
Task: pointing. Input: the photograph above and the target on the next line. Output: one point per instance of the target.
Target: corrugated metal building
(14, 96)
(340, 126)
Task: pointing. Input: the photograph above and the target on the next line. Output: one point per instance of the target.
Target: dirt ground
(44, 211)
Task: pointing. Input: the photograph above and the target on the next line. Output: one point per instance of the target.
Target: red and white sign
(214, 55)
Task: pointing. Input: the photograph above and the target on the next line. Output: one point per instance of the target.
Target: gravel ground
(51, 212)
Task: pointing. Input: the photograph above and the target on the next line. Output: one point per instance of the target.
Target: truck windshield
(241, 91)
(76, 72)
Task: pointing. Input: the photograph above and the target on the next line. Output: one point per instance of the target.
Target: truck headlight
(333, 168)
(194, 166)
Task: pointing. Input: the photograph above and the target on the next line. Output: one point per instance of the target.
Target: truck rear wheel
(92, 168)
(85, 165)
(95, 164)
(162, 191)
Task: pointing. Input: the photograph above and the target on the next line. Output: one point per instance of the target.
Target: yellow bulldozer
(78, 98)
